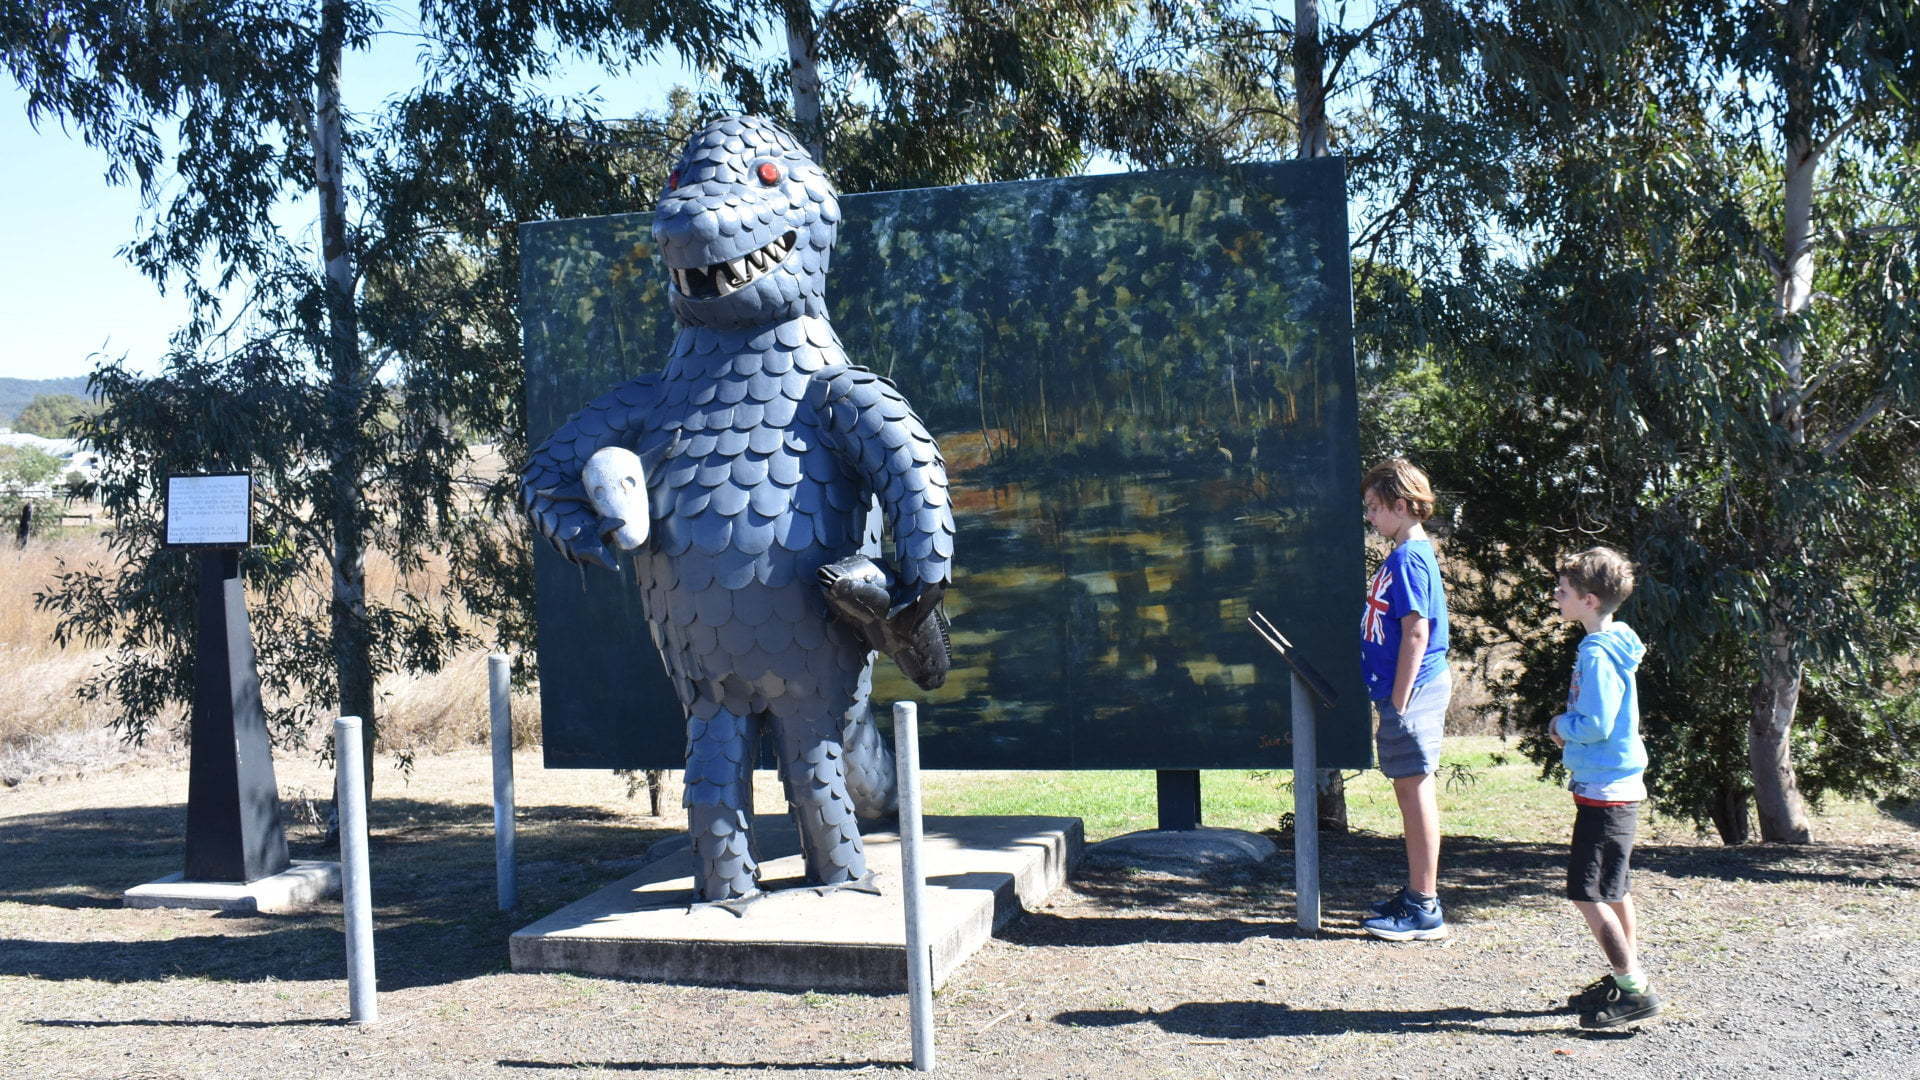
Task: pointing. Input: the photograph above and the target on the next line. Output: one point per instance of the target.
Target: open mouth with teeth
(732, 275)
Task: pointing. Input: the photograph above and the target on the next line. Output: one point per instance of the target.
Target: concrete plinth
(1184, 850)
(981, 871)
(300, 887)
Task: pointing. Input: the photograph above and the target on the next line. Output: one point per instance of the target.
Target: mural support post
(1178, 793)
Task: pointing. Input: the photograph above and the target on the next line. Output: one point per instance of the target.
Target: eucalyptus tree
(348, 373)
(894, 95)
(1826, 90)
(227, 116)
(1679, 288)
(51, 415)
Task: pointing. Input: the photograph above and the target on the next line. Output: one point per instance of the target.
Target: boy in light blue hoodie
(1599, 737)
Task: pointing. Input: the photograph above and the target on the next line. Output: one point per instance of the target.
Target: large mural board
(1144, 387)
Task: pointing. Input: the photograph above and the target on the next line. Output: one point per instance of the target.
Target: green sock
(1635, 983)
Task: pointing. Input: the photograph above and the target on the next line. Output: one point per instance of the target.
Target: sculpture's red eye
(673, 180)
(769, 173)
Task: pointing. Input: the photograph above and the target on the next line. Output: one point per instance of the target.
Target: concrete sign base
(981, 872)
(303, 886)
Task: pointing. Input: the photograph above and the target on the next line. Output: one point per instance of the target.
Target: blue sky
(65, 295)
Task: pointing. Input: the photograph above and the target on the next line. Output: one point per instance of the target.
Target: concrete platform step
(981, 872)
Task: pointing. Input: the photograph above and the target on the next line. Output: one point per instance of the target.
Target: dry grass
(48, 730)
(448, 710)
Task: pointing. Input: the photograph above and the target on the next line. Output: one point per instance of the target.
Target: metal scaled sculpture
(761, 456)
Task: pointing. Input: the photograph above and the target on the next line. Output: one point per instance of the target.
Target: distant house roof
(60, 448)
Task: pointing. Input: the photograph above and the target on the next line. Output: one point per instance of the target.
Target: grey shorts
(1408, 744)
(1599, 870)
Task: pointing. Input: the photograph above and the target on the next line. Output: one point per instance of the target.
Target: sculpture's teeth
(731, 275)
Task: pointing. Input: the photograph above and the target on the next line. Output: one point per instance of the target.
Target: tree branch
(1371, 235)
(1801, 396)
(1350, 43)
(1820, 148)
(1874, 408)
(314, 532)
(1880, 230)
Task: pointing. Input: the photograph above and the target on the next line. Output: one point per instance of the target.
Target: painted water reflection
(1099, 621)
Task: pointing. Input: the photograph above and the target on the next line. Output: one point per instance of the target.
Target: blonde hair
(1601, 572)
(1397, 478)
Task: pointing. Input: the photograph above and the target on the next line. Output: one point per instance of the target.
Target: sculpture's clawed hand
(563, 515)
(911, 606)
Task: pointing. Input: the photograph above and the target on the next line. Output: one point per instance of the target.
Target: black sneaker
(1620, 1007)
(1591, 996)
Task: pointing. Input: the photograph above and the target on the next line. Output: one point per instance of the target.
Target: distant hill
(15, 393)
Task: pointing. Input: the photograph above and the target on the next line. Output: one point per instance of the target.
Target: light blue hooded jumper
(1604, 753)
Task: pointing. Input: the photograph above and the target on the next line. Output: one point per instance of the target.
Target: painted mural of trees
(1139, 381)
(1130, 325)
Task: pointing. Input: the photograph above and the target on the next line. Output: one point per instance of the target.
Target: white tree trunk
(1309, 79)
(803, 56)
(1794, 279)
(1776, 793)
(348, 385)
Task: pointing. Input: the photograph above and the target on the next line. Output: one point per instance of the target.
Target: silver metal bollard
(506, 876)
(906, 752)
(356, 891)
(1306, 811)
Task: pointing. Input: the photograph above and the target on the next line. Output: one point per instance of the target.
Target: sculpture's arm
(550, 489)
(868, 423)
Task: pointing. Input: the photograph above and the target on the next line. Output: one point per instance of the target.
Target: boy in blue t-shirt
(1599, 739)
(1403, 654)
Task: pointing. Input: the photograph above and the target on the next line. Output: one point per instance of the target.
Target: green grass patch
(1487, 789)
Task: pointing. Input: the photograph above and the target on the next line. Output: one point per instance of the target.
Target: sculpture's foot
(732, 905)
(865, 883)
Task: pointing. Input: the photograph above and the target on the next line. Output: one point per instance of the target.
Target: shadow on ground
(242, 1024)
(1260, 1019)
(1902, 810)
(1479, 877)
(700, 1066)
(433, 887)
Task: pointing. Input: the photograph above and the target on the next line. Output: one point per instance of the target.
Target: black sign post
(234, 831)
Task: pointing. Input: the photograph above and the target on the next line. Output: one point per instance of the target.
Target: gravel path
(1795, 962)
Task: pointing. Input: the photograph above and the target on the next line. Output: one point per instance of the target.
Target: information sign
(209, 510)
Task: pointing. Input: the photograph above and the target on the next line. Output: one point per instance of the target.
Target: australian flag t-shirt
(1408, 582)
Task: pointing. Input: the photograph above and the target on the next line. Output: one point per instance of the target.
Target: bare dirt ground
(1776, 961)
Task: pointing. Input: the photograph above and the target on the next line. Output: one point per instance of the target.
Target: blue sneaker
(1408, 921)
(1387, 906)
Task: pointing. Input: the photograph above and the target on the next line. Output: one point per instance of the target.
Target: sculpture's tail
(871, 782)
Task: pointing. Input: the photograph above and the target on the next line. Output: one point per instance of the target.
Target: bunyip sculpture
(756, 457)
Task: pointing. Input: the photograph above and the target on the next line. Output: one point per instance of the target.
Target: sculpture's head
(746, 225)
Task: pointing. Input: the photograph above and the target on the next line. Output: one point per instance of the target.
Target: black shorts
(1597, 871)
